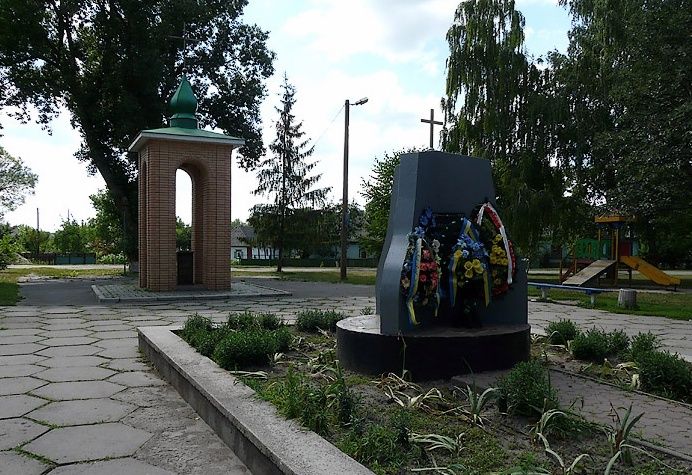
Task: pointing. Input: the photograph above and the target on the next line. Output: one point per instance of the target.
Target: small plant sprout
(543, 425)
(432, 442)
(478, 402)
(619, 438)
(419, 401)
(396, 383)
(564, 469)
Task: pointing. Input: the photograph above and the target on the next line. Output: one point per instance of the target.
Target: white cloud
(63, 185)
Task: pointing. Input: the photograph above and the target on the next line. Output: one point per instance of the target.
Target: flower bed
(394, 426)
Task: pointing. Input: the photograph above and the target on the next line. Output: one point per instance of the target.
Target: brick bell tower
(206, 157)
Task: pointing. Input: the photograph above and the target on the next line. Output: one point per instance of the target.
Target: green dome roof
(183, 106)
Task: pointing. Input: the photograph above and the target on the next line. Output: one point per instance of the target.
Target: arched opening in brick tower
(190, 181)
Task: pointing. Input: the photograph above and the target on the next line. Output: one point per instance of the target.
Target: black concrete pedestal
(435, 353)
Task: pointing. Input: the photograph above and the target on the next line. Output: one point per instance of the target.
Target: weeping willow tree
(500, 105)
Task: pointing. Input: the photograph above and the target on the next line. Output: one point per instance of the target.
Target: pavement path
(75, 397)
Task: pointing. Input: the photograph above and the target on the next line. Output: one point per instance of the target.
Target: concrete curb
(266, 442)
(183, 295)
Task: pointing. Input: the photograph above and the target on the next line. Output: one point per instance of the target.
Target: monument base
(435, 353)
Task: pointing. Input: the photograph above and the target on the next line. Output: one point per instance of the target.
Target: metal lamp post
(344, 201)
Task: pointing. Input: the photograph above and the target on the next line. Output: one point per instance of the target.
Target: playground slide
(594, 269)
(650, 272)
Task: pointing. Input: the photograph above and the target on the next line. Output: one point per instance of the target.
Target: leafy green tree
(377, 191)
(31, 241)
(499, 105)
(16, 181)
(626, 79)
(183, 235)
(107, 225)
(114, 66)
(72, 237)
(285, 174)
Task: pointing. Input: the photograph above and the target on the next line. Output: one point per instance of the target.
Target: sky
(391, 51)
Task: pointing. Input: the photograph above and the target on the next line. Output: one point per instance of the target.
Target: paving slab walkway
(75, 396)
(666, 424)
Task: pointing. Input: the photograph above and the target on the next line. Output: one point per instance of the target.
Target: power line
(328, 126)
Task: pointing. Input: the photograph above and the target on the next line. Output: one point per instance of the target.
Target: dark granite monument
(451, 293)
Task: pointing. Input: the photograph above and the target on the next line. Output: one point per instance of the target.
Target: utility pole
(38, 236)
(344, 201)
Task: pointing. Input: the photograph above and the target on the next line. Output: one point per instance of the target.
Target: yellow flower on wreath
(477, 266)
(457, 253)
(469, 274)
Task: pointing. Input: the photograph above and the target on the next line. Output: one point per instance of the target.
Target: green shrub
(665, 374)
(594, 345)
(250, 320)
(195, 329)
(618, 342)
(269, 321)
(526, 389)
(376, 447)
(643, 343)
(310, 320)
(283, 338)
(245, 348)
(562, 331)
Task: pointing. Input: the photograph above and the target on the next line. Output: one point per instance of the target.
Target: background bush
(526, 389)
(562, 331)
(596, 345)
(310, 320)
(244, 340)
(665, 374)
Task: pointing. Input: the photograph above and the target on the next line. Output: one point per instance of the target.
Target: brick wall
(209, 167)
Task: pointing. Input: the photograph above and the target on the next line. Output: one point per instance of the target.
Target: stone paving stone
(115, 353)
(14, 432)
(112, 335)
(130, 342)
(19, 332)
(70, 361)
(75, 373)
(128, 364)
(105, 329)
(20, 349)
(18, 325)
(69, 341)
(63, 327)
(18, 405)
(149, 396)
(20, 359)
(19, 385)
(19, 370)
(55, 320)
(137, 378)
(12, 463)
(65, 333)
(11, 340)
(88, 411)
(91, 442)
(183, 442)
(78, 350)
(122, 466)
(78, 390)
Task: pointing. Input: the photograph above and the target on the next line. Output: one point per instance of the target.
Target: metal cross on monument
(185, 39)
(432, 123)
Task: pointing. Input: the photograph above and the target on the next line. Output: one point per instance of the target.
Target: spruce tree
(285, 175)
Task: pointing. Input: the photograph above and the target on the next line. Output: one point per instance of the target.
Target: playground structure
(592, 259)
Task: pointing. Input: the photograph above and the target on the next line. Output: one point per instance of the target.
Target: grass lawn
(671, 305)
(354, 276)
(9, 289)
